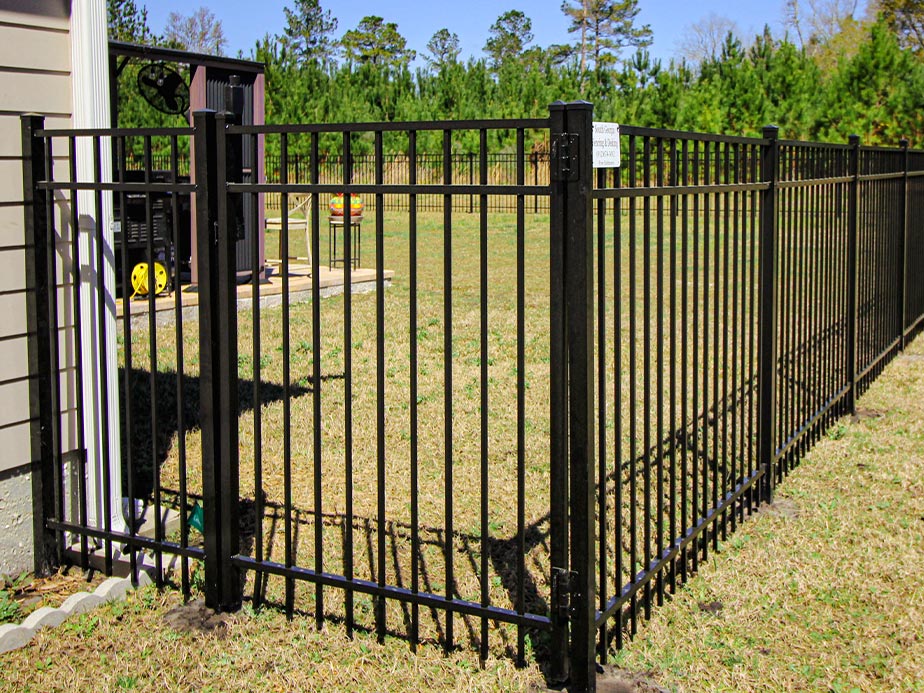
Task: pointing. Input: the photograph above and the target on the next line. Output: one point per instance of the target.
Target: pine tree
(376, 42)
(605, 27)
(309, 32)
(508, 38)
(444, 49)
(127, 22)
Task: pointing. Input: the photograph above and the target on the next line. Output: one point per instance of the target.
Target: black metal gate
(543, 423)
(369, 538)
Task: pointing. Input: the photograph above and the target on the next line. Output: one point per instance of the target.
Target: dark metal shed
(209, 75)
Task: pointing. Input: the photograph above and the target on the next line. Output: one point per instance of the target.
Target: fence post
(231, 230)
(218, 373)
(767, 313)
(572, 193)
(579, 289)
(42, 325)
(853, 207)
(903, 269)
(559, 664)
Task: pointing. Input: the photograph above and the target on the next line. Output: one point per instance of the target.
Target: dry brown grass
(131, 646)
(429, 335)
(825, 590)
(821, 592)
(467, 535)
(780, 587)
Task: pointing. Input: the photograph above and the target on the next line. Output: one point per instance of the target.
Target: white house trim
(90, 79)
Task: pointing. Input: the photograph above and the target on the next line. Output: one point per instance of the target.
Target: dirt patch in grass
(194, 617)
(828, 598)
(866, 413)
(782, 507)
(713, 607)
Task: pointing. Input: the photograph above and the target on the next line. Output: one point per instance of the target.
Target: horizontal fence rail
(535, 400)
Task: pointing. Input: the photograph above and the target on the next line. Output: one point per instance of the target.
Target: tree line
(830, 75)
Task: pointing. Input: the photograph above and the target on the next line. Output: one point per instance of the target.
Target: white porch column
(90, 80)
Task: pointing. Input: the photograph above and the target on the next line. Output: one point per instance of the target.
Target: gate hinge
(564, 158)
(564, 584)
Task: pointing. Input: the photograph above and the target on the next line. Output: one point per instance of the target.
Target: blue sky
(245, 22)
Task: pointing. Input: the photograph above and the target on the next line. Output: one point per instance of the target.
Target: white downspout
(90, 85)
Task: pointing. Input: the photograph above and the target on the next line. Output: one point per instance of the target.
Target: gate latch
(564, 584)
(564, 158)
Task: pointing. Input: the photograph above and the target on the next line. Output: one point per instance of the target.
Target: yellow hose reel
(140, 281)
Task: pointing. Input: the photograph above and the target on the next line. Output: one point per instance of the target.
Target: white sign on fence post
(606, 145)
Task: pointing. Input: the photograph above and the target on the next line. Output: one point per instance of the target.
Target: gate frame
(41, 319)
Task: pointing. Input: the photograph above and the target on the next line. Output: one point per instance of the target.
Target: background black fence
(367, 458)
(502, 170)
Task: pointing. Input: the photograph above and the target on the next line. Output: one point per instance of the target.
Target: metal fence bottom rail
(670, 555)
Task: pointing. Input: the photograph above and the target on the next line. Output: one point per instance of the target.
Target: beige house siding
(51, 15)
(35, 77)
(45, 48)
(41, 92)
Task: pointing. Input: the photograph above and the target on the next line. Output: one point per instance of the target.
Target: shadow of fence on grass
(162, 414)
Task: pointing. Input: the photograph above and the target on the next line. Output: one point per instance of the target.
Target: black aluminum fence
(83, 486)
(676, 424)
(487, 436)
(159, 162)
(285, 408)
(773, 276)
(388, 476)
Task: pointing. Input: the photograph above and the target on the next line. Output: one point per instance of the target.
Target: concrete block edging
(13, 637)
